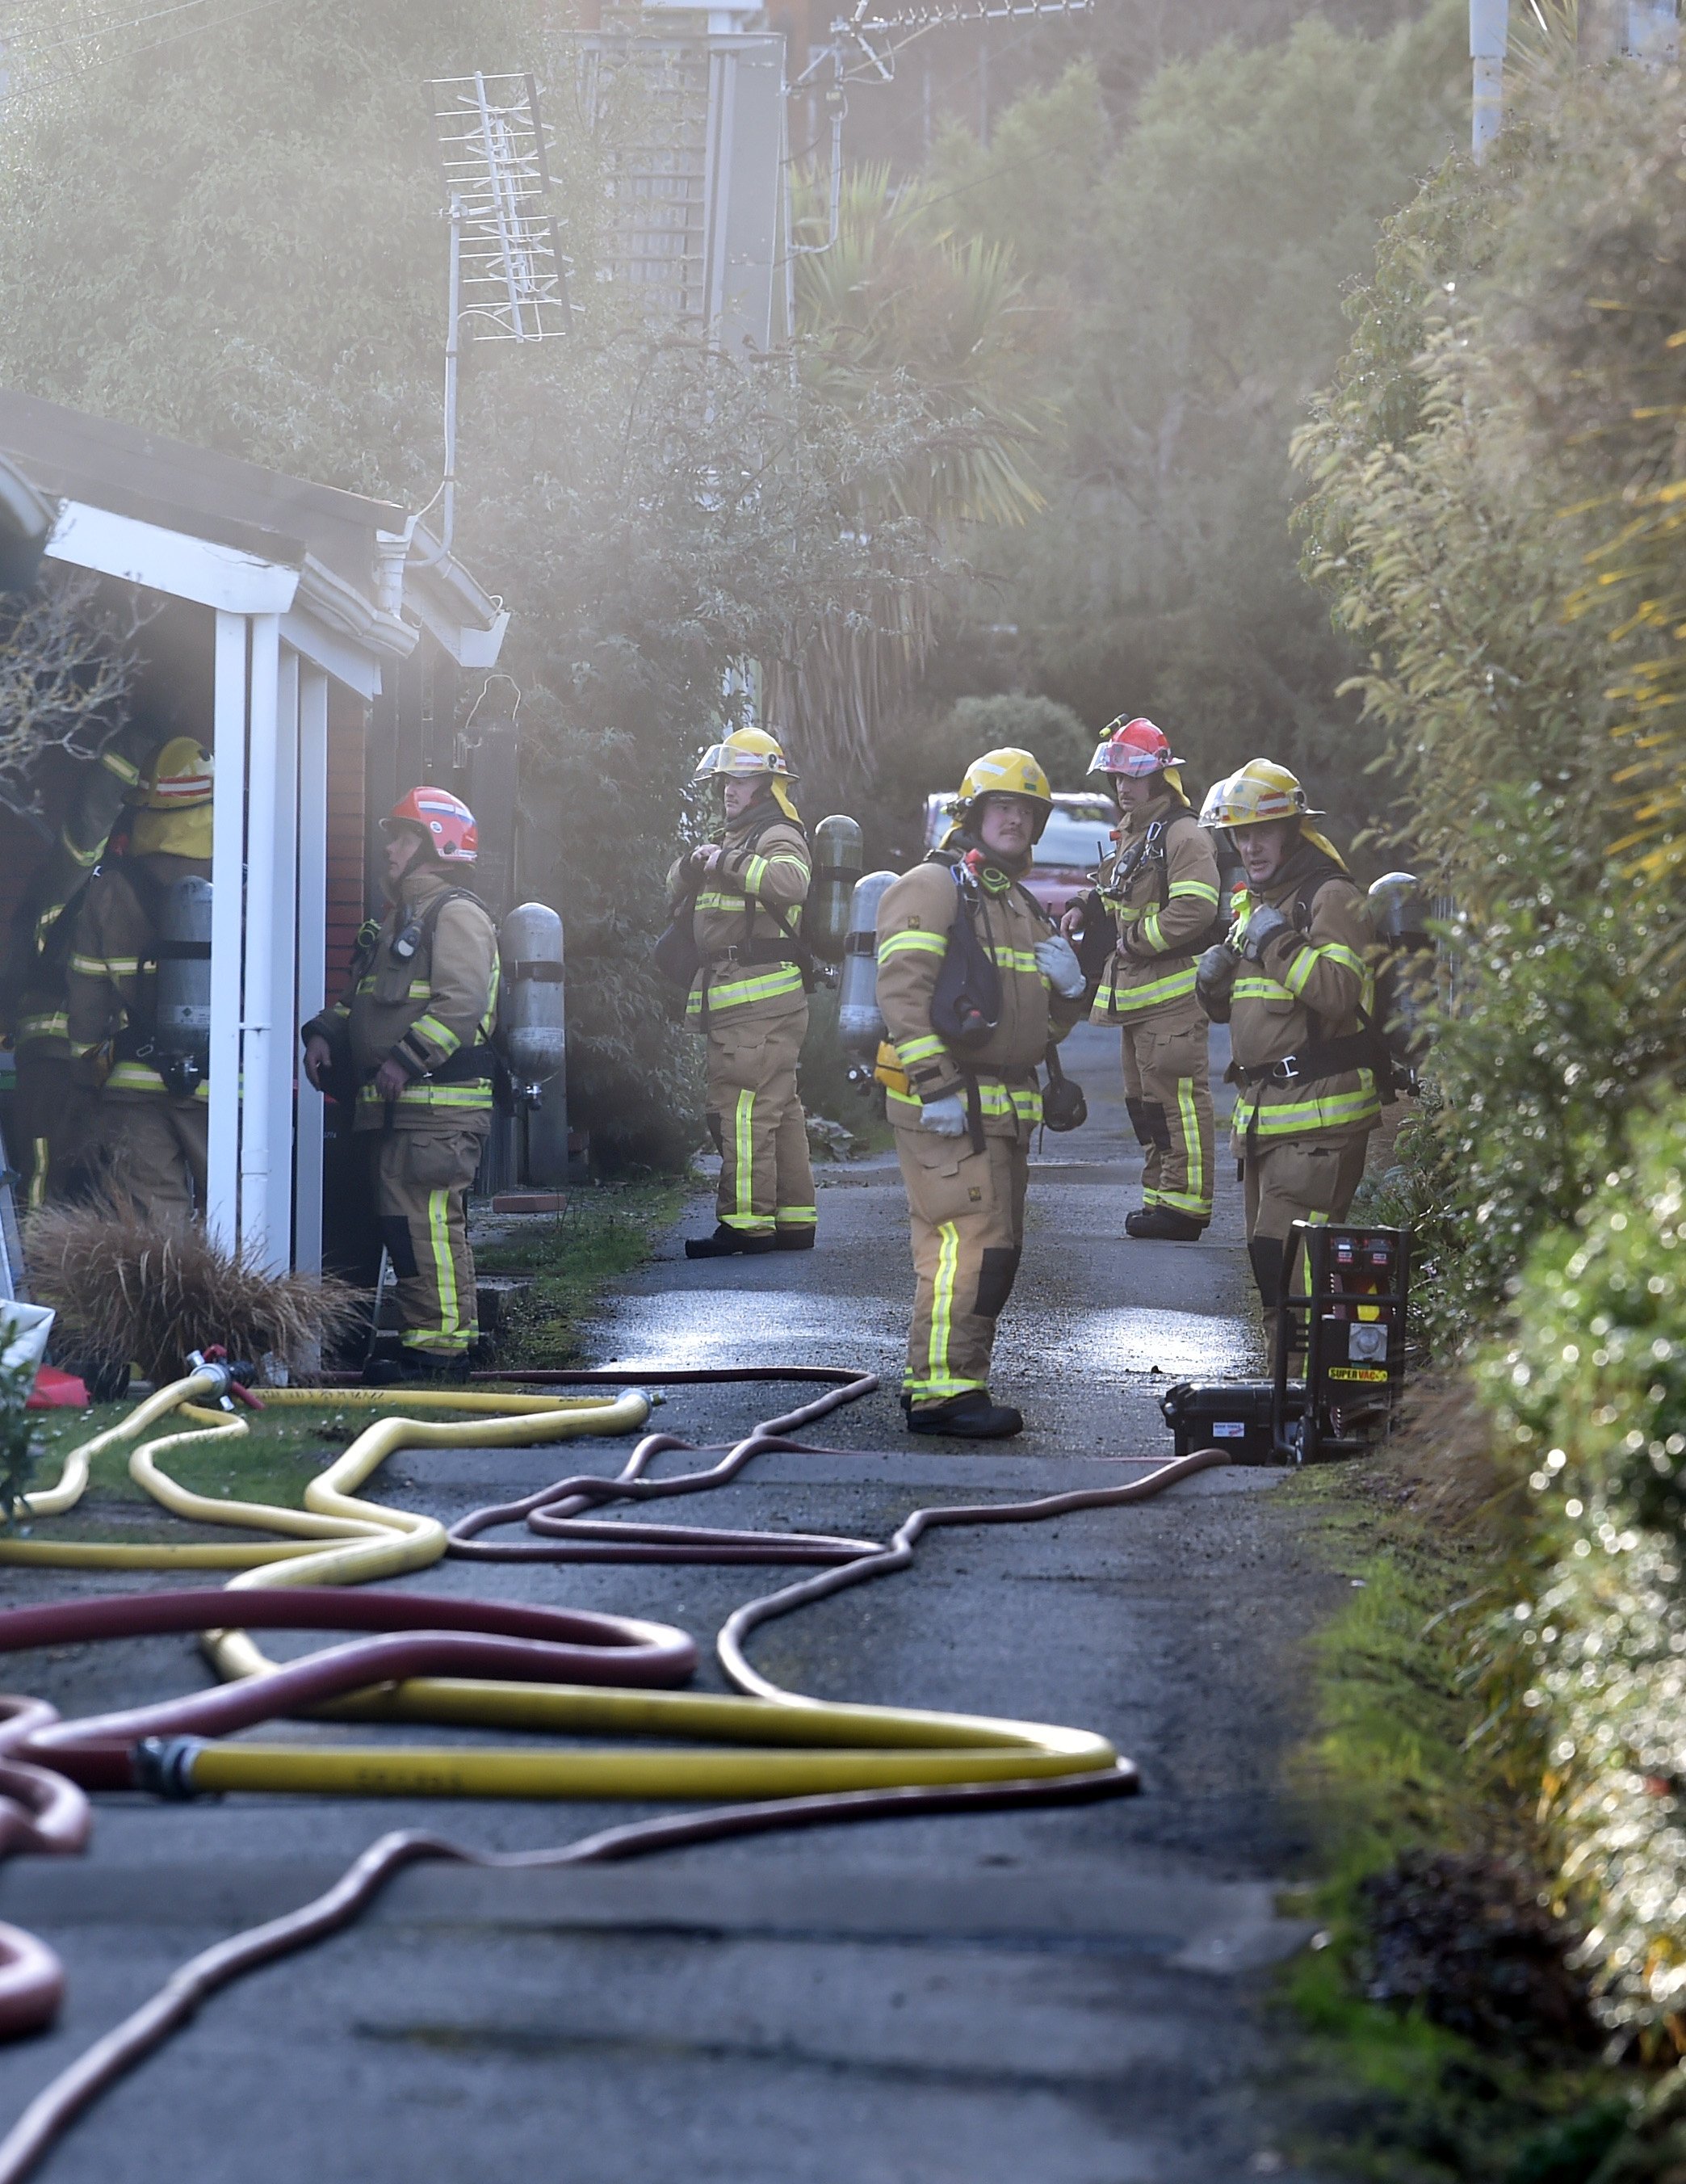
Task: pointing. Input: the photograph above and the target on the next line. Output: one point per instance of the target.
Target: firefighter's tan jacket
(114, 968)
(1307, 988)
(1165, 906)
(762, 867)
(433, 1013)
(916, 919)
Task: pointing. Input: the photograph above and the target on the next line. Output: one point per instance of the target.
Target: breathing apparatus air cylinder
(1399, 911)
(860, 1026)
(182, 1034)
(839, 853)
(532, 1030)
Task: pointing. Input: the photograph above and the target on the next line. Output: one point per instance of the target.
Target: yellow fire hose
(342, 1538)
(800, 1761)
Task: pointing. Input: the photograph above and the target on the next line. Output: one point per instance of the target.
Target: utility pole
(1643, 30)
(1601, 31)
(1654, 32)
(1489, 32)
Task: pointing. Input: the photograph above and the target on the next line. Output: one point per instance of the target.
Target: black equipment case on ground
(1236, 1416)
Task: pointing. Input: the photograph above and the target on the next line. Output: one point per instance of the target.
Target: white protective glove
(1263, 925)
(1057, 960)
(945, 1117)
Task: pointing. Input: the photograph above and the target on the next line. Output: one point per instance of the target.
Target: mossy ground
(606, 1231)
(1402, 1757)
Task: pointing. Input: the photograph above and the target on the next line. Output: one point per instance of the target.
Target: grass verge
(606, 1231)
(1403, 1761)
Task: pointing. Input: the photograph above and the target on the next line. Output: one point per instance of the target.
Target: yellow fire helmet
(1259, 792)
(182, 772)
(750, 755)
(1009, 772)
(175, 798)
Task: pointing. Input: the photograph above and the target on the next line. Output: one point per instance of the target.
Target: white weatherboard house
(294, 629)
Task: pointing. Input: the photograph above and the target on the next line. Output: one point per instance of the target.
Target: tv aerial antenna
(863, 48)
(509, 277)
(865, 42)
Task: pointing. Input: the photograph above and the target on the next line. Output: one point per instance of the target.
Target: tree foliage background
(1185, 266)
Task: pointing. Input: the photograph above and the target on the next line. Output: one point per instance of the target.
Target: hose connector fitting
(219, 1369)
(163, 1766)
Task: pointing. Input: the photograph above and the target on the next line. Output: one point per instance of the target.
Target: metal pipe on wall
(258, 1011)
(228, 830)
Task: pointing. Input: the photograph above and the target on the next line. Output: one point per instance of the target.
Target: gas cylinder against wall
(838, 855)
(531, 1028)
(859, 1025)
(182, 1025)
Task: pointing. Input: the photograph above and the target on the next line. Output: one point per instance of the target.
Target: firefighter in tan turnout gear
(414, 1036)
(1159, 896)
(154, 1120)
(974, 983)
(749, 997)
(1295, 982)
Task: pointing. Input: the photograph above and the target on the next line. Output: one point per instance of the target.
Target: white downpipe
(313, 953)
(259, 1020)
(228, 827)
(283, 962)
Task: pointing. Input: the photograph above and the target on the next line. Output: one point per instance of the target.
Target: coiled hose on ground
(804, 1761)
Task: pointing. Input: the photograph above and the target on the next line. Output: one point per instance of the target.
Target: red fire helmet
(445, 820)
(1132, 747)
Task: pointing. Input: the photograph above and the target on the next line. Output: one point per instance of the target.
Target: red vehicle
(1076, 838)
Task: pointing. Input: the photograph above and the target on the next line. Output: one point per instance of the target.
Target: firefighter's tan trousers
(756, 1120)
(1168, 1094)
(967, 1214)
(422, 1187)
(56, 1121)
(1313, 1179)
(157, 1145)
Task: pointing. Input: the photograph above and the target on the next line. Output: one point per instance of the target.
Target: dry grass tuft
(127, 1292)
(1442, 1463)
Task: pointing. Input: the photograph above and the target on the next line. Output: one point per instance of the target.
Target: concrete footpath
(1041, 1997)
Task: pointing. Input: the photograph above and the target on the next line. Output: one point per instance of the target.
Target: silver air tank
(1399, 911)
(530, 1026)
(838, 855)
(859, 1025)
(182, 1010)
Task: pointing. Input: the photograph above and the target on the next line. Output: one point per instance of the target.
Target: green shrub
(1591, 1393)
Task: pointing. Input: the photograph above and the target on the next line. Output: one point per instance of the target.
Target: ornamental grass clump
(1590, 1395)
(127, 1292)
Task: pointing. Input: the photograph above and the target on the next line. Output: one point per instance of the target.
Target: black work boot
(412, 1367)
(1163, 1226)
(970, 1416)
(728, 1243)
(795, 1240)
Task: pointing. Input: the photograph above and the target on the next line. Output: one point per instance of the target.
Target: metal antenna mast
(508, 274)
(863, 48)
